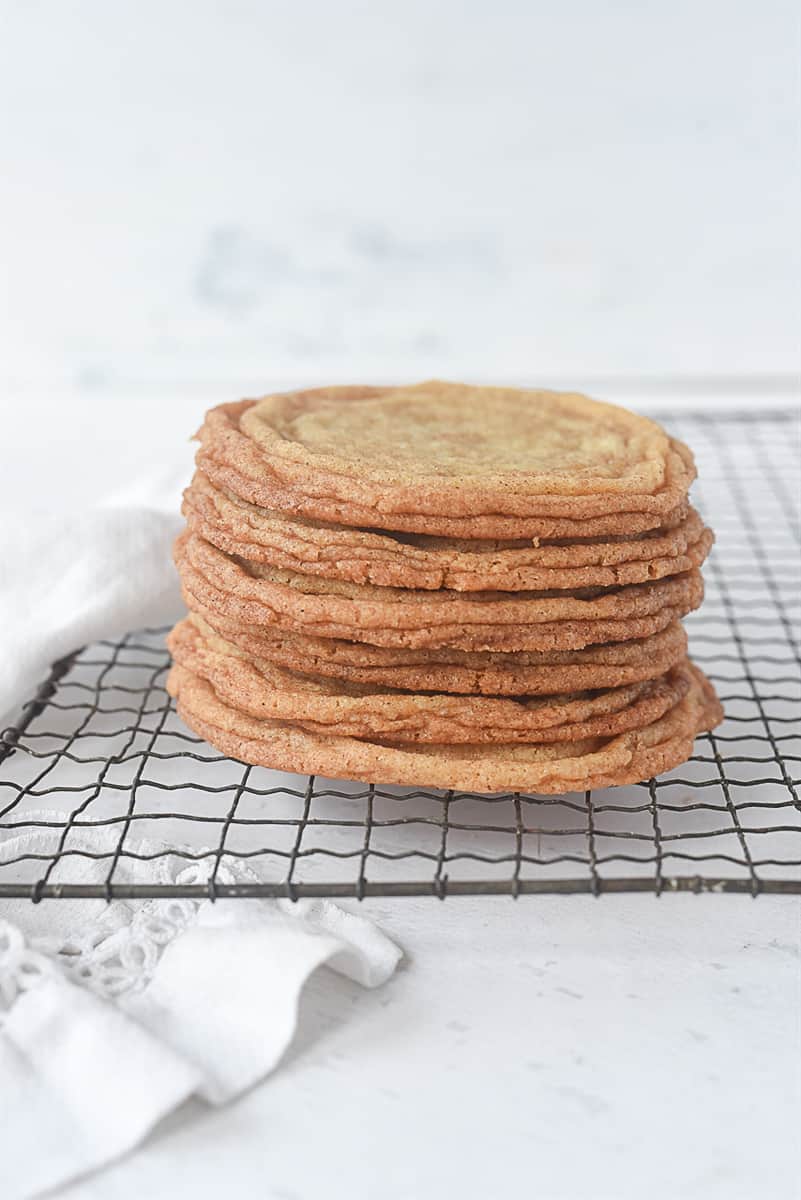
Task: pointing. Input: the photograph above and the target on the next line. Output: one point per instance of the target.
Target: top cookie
(442, 449)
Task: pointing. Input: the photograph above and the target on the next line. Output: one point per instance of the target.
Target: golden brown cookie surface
(407, 617)
(526, 673)
(264, 690)
(415, 561)
(471, 506)
(456, 450)
(552, 767)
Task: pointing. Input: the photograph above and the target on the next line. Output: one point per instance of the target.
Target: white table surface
(554, 1047)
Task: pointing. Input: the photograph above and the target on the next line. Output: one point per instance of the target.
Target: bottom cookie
(550, 768)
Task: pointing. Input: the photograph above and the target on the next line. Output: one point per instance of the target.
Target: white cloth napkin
(69, 580)
(111, 1016)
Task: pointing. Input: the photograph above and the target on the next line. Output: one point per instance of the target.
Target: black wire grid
(99, 761)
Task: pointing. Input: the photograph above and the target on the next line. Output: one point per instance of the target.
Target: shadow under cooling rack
(105, 793)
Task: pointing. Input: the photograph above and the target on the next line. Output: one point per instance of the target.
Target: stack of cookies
(459, 587)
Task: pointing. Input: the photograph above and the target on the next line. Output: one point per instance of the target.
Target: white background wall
(204, 199)
(196, 189)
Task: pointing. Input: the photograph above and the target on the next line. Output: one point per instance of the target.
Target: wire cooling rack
(104, 792)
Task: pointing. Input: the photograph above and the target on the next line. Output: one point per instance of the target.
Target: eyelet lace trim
(21, 968)
(115, 955)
